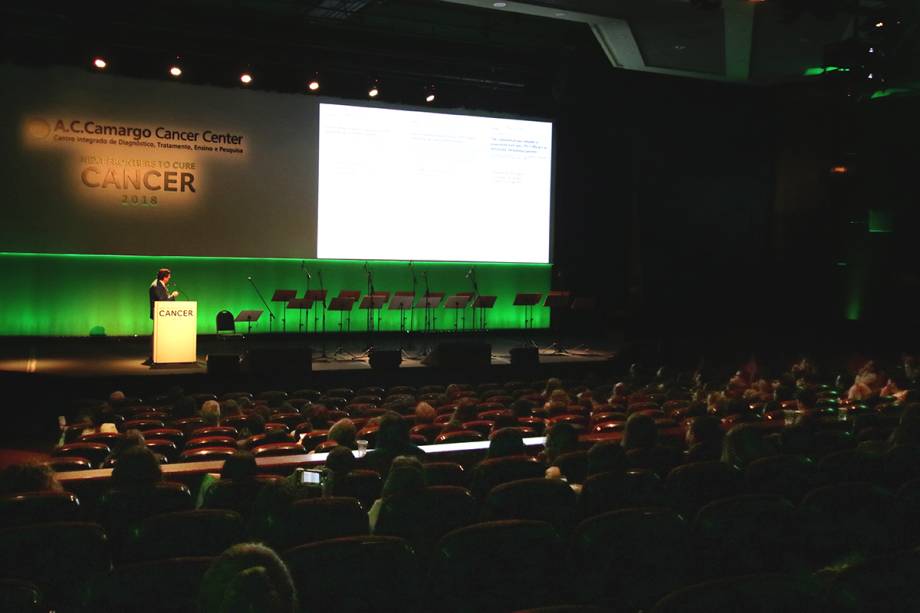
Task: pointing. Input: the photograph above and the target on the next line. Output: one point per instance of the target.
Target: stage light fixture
(840, 169)
(245, 78)
(879, 24)
(100, 63)
(175, 71)
(374, 91)
(429, 94)
(313, 85)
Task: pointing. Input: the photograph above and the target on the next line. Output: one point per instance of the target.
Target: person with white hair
(210, 412)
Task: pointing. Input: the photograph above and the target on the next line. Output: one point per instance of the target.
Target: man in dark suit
(158, 289)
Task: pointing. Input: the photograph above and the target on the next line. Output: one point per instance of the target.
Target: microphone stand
(306, 274)
(178, 289)
(370, 311)
(475, 295)
(271, 315)
(319, 273)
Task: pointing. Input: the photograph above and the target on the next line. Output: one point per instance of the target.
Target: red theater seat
(94, 452)
(228, 431)
(160, 586)
(495, 471)
(363, 484)
(206, 454)
(210, 441)
(278, 449)
(142, 424)
(38, 507)
(459, 436)
(202, 532)
(318, 519)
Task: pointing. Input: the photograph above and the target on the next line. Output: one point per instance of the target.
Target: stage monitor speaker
(385, 359)
(280, 361)
(223, 364)
(460, 355)
(527, 357)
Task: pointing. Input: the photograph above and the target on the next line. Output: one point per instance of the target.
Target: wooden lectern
(175, 332)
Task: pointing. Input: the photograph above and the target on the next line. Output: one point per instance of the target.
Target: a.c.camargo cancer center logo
(38, 128)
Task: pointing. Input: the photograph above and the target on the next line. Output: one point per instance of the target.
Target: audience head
(522, 407)
(230, 407)
(559, 396)
(425, 413)
(210, 411)
(705, 430)
(344, 433)
(806, 399)
(131, 438)
(505, 442)
(606, 457)
(640, 432)
(240, 466)
(21, 478)
(406, 475)
(116, 399)
(562, 437)
(743, 444)
(393, 432)
(137, 466)
(184, 407)
(465, 411)
(247, 577)
(340, 460)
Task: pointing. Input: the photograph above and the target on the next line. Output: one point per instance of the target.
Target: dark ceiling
(498, 47)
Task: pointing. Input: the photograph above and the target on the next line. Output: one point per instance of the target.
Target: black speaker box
(280, 361)
(461, 354)
(525, 356)
(223, 364)
(385, 359)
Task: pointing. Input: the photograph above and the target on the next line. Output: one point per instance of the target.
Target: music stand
(372, 303)
(457, 302)
(301, 304)
(343, 304)
(430, 302)
(527, 301)
(400, 302)
(249, 317)
(285, 296)
(470, 295)
(557, 299)
(484, 304)
(318, 295)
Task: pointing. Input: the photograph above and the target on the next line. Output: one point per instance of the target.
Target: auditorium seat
(901, 464)
(106, 438)
(537, 423)
(429, 431)
(228, 431)
(785, 475)
(158, 586)
(95, 453)
(606, 427)
(266, 438)
(495, 471)
(341, 392)
(38, 507)
(206, 454)
(356, 574)
(202, 532)
(845, 519)
(119, 509)
(369, 434)
(288, 419)
(411, 516)
(459, 436)
(175, 435)
(307, 394)
(693, 485)
(143, 424)
(325, 447)
(210, 441)
(549, 500)
(751, 533)
(278, 449)
(276, 428)
(482, 426)
(318, 519)
(605, 492)
(240, 422)
(573, 465)
(879, 584)
(189, 424)
(65, 464)
(361, 483)
(445, 473)
(311, 439)
(764, 593)
(237, 496)
(628, 559)
(497, 566)
(59, 558)
(850, 465)
(18, 596)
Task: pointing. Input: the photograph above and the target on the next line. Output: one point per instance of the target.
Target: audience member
(424, 413)
(248, 577)
(210, 412)
(505, 442)
(606, 457)
(136, 467)
(562, 437)
(743, 444)
(392, 440)
(704, 439)
(406, 476)
(344, 433)
(21, 478)
(640, 432)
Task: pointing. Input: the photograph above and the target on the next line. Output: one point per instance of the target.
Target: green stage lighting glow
(76, 294)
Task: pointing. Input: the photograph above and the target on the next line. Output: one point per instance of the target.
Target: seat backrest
(38, 507)
(549, 500)
(631, 557)
(59, 558)
(785, 475)
(883, 583)
(612, 491)
(761, 593)
(851, 465)
(691, 486)
(317, 519)
(201, 532)
(445, 473)
(846, 519)
(169, 586)
(495, 471)
(121, 508)
(410, 516)
(496, 566)
(18, 596)
(225, 321)
(359, 573)
(363, 484)
(96, 453)
(573, 465)
(206, 454)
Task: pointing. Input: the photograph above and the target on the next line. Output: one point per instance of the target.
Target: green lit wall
(72, 295)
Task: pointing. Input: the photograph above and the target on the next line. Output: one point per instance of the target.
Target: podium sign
(175, 332)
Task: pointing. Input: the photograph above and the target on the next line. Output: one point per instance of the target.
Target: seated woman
(247, 577)
(406, 476)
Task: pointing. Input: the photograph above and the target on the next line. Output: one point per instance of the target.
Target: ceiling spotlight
(175, 71)
(245, 78)
(373, 91)
(879, 24)
(313, 85)
(429, 94)
(100, 63)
